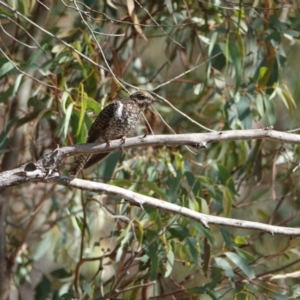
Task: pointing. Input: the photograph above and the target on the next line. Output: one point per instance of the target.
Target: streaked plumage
(115, 121)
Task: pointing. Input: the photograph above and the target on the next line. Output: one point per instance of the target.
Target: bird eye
(141, 97)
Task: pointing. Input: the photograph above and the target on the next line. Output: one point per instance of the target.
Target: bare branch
(141, 200)
(40, 175)
(198, 140)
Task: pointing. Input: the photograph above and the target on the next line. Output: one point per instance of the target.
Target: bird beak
(157, 100)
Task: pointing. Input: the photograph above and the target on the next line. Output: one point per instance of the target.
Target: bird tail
(78, 164)
(85, 161)
(94, 159)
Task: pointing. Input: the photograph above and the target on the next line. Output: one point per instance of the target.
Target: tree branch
(141, 200)
(50, 162)
(45, 170)
(20, 175)
(198, 140)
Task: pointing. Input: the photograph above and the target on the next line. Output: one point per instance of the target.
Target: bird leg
(108, 143)
(123, 139)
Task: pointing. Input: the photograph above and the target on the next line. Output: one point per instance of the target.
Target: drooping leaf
(6, 68)
(194, 250)
(241, 264)
(43, 289)
(223, 263)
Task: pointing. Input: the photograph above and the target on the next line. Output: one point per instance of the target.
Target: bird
(115, 121)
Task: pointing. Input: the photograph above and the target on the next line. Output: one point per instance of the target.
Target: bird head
(143, 98)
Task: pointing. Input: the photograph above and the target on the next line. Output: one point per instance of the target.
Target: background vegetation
(220, 65)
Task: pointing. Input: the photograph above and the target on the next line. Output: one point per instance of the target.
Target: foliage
(222, 65)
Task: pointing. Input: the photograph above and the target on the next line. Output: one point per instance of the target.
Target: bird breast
(124, 120)
(119, 111)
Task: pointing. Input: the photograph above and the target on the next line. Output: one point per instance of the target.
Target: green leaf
(204, 208)
(107, 166)
(241, 263)
(260, 104)
(223, 263)
(38, 249)
(262, 73)
(225, 178)
(154, 215)
(194, 250)
(219, 61)
(227, 201)
(207, 183)
(125, 238)
(120, 182)
(240, 240)
(8, 93)
(179, 232)
(249, 257)
(252, 164)
(231, 114)
(60, 273)
(140, 231)
(282, 27)
(170, 263)
(67, 33)
(244, 111)
(17, 83)
(4, 140)
(153, 186)
(270, 112)
(204, 231)
(209, 288)
(67, 296)
(173, 184)
(286, 98)
(93, 105)
(226, 236)
(66, 122)
(83, 97)
(236, 58)
(259, 194)
(65, 98)
(152, 252)
(193, 183)
(6, 67)
(43, 289)
(87, 288)
(81, 138)
(223, 174)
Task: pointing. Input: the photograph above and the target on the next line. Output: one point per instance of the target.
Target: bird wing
(102, 121)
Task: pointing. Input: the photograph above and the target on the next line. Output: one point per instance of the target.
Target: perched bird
(115, 121)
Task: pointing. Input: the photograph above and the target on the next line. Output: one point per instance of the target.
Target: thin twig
(100, 48)
(166, 34)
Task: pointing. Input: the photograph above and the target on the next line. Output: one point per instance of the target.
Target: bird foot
(108, 143)
(123, 140)
(143, 137)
